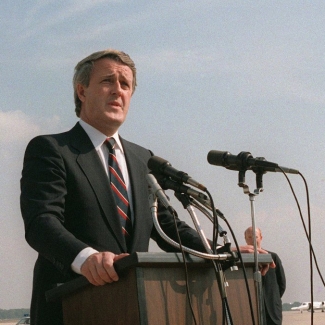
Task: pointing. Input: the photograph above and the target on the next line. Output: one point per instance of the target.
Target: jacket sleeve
(280, 275)
(43, 192)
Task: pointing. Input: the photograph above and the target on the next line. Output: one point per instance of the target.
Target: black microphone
(162, 166)
(244, 160)
(168, 184)
(157, 191)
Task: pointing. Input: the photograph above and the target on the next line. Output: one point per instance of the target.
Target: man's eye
(125, 84)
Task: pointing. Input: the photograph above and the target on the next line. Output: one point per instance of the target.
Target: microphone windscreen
(156, 163)
(216, 157)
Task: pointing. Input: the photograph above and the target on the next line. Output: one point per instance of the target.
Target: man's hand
(263, 267)
(98, 268)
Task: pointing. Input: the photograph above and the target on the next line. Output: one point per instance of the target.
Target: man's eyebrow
(108, 75)
(112, 74)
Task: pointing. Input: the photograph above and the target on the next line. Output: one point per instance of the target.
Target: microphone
(168, 184)
(244, 160)
(162, 166)
(157, 191)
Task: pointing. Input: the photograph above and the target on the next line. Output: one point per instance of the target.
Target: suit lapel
(138, 170)
(89, 161)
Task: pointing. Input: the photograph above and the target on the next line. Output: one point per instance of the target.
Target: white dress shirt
(98, 139)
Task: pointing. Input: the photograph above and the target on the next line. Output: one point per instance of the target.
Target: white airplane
(307, 306)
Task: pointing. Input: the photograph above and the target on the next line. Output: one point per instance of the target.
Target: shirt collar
(97, 137)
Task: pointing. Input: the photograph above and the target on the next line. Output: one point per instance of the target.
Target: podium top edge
(144, 259)
(162, 257)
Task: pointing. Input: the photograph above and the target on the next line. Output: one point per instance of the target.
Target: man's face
(249, 237)
(106, 100)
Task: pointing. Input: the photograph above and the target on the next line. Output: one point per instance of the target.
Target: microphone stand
(221, 279)
(211, 254)
(231, 263)
(257, 274)
(153, 204)
(186, 202)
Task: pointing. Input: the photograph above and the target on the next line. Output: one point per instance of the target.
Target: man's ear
(81, 92)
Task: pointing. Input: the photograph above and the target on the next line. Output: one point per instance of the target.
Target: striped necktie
(119, 190)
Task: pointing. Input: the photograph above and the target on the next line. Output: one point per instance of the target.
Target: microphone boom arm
(186, 201)
(154, 212)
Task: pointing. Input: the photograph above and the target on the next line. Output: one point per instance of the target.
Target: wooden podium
(152, 291)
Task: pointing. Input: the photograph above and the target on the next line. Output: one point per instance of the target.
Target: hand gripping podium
(152, 291)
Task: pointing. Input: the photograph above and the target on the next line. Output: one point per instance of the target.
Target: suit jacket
(274, 285)
(67, 205)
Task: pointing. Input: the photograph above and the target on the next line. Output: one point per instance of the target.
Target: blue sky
(212, 75)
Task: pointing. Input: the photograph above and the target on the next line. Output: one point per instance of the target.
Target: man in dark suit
(68, 206)
(273, 282)
(70, 214)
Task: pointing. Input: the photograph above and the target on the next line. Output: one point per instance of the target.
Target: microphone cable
(188, 294)
(312, 255)
(198, 204)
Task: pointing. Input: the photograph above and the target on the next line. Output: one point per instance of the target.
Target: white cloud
(16, 126)
(50, 13)
(272, 72)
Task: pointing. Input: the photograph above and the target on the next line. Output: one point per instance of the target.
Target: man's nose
(116, 88)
